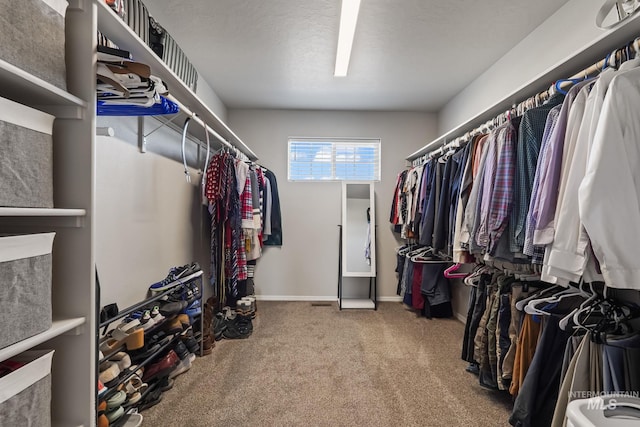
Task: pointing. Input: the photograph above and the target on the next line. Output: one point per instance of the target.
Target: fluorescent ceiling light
(348, 20)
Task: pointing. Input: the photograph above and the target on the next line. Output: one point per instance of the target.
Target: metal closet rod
(250, 154)
(615, 57)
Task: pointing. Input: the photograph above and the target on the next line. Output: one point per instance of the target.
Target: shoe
(165, 383)
(175, 274)
(131, 420)
(151, 399)
(181, 368)
(115, 415)
(243, 307)
(143, 354)
(252, 308)
(162, 367)
(185, 320)
(191, 343)
(109, 373)
(135, 388)
(193, 309)
(181, 350)
(122, 359)
(103, 421)
(238, 326)
(173, 308)
(102, 389)
(173, 326)
(219, 326)
(156, 315)
(116, 400)
(473, 368)
(147, 321)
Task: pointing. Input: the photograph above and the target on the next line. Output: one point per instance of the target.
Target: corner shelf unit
(116, 30)
(72, 333)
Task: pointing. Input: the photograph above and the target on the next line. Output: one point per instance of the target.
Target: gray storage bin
(25, 286)
(26, 164)
(175, 58)
(32, 35)
(25, 394)
(137, 18)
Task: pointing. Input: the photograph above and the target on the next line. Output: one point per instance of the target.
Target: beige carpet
(317, 366)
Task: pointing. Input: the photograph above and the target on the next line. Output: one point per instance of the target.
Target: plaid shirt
(527, 151)
(502, 197)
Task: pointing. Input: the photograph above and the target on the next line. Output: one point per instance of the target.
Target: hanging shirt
(502, 196)
(567, 219)
(609, 194)
(527, 151)
(550, 129)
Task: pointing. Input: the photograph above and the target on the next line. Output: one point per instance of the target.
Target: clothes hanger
(532, 306)
(450, 273)
(184, 154)
(523, 302)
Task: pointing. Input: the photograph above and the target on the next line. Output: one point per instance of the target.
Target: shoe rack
(166, 343)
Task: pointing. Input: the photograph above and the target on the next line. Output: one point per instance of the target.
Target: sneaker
(191, 344)
(219, 326)
(239, 326)
(156, 315)
(175, 274)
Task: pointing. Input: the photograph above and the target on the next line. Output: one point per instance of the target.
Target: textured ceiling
(408, 55)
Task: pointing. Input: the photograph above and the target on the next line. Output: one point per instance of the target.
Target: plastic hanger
(523, 302)
(450, 273)
(559, 83)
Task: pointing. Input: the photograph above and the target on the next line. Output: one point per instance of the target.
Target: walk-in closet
(319, 213)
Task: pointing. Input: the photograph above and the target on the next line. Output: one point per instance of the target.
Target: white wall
(306, 266)
(540, 58)
(148, 218)
(210, 98)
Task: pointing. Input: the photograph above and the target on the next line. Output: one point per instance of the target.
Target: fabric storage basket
(175, 58)
(26, 164)
(25, 286)
(32, 34)
(25, 394)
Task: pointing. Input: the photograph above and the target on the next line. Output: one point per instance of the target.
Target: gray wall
(306, 266)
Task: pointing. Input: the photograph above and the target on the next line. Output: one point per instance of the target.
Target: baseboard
(461, 317)
(390, 299)
(294, 298)
(312, 298)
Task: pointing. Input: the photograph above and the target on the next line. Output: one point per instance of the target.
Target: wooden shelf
(58, 328)
(114, 28)
(42, 212)
(20, 86)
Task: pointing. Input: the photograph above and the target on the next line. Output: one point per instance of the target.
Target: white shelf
(42, 212)
(24, 88)
(58, 328)
(358, 303)
(114, 28)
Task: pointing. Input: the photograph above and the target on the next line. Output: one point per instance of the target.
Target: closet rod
(441, 143)
(247, 151)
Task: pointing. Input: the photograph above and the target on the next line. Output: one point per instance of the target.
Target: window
(334, 160)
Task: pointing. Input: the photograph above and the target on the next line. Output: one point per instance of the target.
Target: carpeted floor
(310, 365)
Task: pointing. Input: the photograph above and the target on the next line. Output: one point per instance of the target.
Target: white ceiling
(408, 55)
